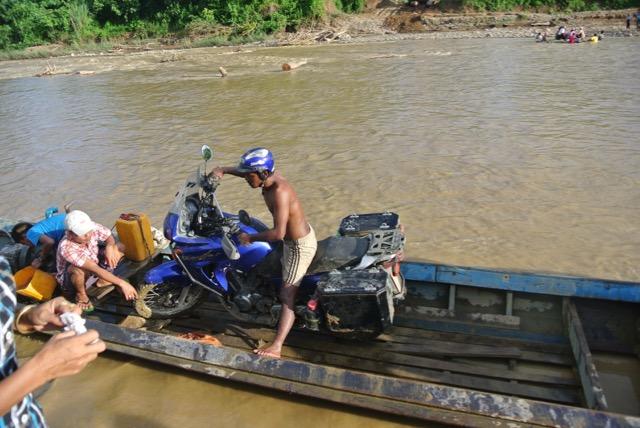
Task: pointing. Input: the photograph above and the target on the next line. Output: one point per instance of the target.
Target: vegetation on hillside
(550, 5)
(93, 23)
(25, 23)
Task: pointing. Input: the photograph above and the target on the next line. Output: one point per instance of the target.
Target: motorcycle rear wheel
(162, 301)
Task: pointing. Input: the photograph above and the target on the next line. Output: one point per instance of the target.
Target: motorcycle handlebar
(209, 183)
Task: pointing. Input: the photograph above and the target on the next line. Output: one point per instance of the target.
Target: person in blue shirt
(44, 236)
(63, 355)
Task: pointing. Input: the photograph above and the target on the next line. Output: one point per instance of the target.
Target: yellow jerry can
(134, 231)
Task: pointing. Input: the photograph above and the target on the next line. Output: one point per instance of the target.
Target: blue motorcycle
(351, 288)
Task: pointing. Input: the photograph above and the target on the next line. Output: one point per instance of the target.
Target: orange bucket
(35, 283)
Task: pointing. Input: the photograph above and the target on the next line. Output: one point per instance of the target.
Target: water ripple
(495, 152)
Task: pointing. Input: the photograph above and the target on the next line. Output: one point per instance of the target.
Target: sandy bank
(378, 25)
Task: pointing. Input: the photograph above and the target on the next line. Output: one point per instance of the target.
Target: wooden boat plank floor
(409, 397)
(378, 358)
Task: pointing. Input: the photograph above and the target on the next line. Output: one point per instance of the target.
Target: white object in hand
(73, 322)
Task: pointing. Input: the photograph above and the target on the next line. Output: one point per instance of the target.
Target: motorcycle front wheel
(167, 300)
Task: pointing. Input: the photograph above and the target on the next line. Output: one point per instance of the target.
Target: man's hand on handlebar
(217, 172)
(244, 238)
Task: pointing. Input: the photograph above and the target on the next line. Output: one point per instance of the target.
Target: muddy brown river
(495, 153)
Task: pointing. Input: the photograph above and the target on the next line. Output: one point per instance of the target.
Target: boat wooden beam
(476, 329)
(525, 282)
(409, 397)
(591, 387)
(434, 414)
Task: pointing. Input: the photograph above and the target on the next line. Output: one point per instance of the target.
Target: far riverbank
(374, 25)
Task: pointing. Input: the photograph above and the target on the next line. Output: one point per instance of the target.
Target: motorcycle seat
(338, 252)
(335, 252)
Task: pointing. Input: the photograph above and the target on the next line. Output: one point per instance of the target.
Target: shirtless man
(289, 224)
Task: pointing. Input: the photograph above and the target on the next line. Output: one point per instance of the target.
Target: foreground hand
(36, 263)
(244, 238)
(112, 255)
(129, 291)
(66, 354)
(46, 316)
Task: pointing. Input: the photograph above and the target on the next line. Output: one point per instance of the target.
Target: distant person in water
(541, 37)
(601, 35)
(594, 38)
(82, 262)
(561, 34)
(637, 15)
(580, 35)
(628, 21)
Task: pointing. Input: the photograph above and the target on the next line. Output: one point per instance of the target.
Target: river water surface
(496, 153)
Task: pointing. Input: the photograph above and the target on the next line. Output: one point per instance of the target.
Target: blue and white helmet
(257, 160)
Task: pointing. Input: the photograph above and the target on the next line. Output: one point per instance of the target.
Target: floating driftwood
(288, 66)
(172, 58)
(331, 35)
(51, 70)
(387, 56)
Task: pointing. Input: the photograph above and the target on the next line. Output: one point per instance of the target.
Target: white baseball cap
(79, 222)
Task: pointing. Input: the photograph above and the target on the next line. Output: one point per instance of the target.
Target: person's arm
(219, 171)
(128, 290)
(111, 253)
(63, 355)
(47, 244)
(280, 220)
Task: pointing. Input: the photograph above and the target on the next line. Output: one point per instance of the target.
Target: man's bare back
(280, 196)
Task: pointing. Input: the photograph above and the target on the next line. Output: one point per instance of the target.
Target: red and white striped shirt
(70, 252)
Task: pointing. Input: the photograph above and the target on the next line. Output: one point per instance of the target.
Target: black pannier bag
(357, 303)
(18, 255)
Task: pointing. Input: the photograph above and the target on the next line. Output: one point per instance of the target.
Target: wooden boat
(469, 347)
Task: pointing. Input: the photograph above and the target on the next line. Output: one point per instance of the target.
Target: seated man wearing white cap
(80, 260)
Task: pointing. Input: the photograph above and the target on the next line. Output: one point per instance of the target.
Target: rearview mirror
(207, 152)
(244, 217)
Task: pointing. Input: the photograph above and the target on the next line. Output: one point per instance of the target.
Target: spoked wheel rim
(166, 299)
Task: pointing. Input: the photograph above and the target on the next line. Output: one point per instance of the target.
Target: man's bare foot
(272, 351)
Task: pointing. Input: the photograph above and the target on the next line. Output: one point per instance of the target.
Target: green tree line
(546, 5)
(26, 23)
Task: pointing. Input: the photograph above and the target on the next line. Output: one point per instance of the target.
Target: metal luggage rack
(385, 242)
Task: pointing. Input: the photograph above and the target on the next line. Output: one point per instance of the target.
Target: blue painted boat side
(527, 282)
